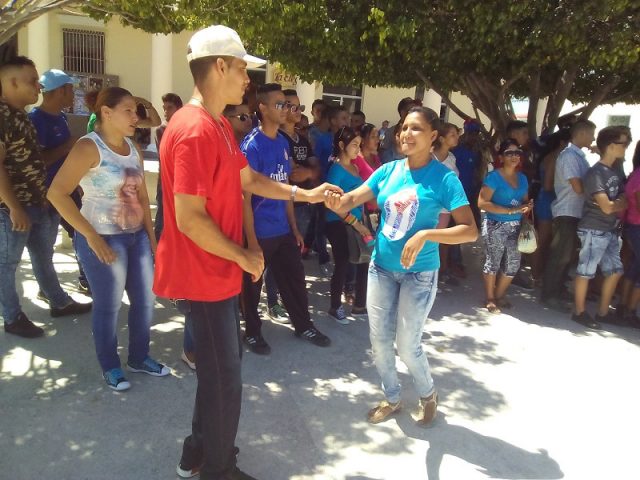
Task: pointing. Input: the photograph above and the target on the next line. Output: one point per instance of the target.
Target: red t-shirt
(198, 159)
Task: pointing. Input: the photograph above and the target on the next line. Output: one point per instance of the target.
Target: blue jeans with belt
(398, 304)
(131, 272)
(39, 240)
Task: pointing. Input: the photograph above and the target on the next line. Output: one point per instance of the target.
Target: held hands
(19, 219)
(102, 249)
(252, 262)
(412, 248)
(332, 200)
(321, 193)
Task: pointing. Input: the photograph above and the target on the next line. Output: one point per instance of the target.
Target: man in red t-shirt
(200, 257)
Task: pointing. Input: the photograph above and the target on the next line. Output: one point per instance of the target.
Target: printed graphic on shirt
(117, 208)
(401, 209)
(280, 175)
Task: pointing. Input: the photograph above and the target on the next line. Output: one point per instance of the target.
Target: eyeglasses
(295, 108)
(512, 153)
(243, 117)
(280, 105)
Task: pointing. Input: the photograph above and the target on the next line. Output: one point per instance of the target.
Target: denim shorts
(601, 249)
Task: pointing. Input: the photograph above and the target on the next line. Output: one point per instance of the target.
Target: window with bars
(83, 51)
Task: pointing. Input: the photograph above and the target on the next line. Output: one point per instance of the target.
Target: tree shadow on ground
(494, 457)
(304, 408)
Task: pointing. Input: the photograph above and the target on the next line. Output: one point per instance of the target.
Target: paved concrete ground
(523, 396)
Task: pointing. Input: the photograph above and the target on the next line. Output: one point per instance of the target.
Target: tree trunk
(599, 96)
(557, 99)
(534, 100)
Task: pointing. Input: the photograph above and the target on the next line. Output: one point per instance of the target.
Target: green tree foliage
(581, 50)
(586, 51)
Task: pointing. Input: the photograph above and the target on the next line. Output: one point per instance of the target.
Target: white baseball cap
(219, 40)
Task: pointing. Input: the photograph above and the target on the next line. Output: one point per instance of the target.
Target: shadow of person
(494, 458)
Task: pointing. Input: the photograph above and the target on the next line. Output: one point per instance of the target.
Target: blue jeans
(398, 304)
(39, 240)
(598, 248)
(131, 272)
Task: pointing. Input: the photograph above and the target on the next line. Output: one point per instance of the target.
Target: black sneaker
(585, 319)
(74, 308)
(237, 474)
(314, 336)
(23, 327)
(257, 344)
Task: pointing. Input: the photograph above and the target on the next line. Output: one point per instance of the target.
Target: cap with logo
(54, 78)
(220, 41)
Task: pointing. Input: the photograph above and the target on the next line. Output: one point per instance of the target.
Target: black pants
(337, 235)
(282, 256)
(219, 393)
(316, 233)
(562, 250)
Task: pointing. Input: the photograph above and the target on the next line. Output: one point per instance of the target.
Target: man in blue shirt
(323, 148)
(270, 226)
(55, 139)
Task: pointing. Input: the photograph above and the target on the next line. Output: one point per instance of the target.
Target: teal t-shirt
(341, 177)
(505, 195)
(410, 201)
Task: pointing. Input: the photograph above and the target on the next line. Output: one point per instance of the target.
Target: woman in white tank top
(114, 232)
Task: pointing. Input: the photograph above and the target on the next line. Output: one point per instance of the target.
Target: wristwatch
(294, 189)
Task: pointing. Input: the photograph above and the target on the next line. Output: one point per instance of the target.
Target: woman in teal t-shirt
(345, 174)
(403, 274)
(504, 198)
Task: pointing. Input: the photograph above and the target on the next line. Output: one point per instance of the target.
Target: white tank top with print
(110, 201)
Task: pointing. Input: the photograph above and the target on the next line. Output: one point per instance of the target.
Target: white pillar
(432, 100)
(307, 94)
(161, 69)
(38, 43)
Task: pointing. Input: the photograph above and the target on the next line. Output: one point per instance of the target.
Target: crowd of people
(249, 189)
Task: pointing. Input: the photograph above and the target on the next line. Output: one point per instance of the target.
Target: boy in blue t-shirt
(270, 226)
(56, 141)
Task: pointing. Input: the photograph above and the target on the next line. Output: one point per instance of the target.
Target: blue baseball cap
(54, 78)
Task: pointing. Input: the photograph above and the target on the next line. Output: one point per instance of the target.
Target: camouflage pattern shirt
(23, 160)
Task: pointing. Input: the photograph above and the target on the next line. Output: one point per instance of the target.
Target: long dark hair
(344, 135)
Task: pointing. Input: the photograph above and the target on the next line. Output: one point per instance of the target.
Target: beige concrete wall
(182, 80)
(381, 103)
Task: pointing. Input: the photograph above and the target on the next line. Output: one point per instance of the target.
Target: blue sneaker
(115, 380)
(150, 367)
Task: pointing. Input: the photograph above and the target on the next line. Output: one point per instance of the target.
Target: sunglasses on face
(512, 153)
(243, 117)
(280, 105)
(295, 108)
